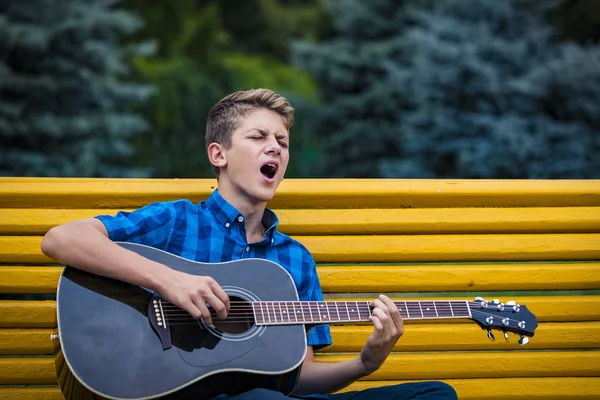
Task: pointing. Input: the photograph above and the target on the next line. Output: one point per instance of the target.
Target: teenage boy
(247, 140)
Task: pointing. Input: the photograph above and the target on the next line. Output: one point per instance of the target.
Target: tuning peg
(496, 301)
(506, 336)
(514, 305)
(524, 340)
(478, 298)
(490, 335)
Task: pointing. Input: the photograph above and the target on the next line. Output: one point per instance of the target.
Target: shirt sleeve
(151, 225)
(310, 290)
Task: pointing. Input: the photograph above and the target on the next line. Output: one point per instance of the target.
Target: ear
(216, 155)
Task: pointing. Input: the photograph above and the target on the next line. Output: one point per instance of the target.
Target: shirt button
(227, 225)
(247, 248)
(272, 241)
(241, 219)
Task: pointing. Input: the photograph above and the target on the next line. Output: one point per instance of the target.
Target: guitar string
(248, 319)
(278, 308)
(248, 306)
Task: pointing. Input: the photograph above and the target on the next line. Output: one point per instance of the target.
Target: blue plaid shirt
(214, 231)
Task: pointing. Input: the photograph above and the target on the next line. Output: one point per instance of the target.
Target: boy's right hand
(193, 292)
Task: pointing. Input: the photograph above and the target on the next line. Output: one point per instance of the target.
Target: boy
(247, 140)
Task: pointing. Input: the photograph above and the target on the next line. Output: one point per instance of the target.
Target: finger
(381, 315)
(377, 323)
(223, 297)
(378, 304)
(201, 305)
(394, 311)
(191, 308)
(216, 304)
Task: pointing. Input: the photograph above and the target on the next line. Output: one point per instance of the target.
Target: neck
(252, 210)
(318, 312)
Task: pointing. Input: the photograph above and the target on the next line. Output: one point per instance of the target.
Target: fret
(272, 314)
(280, 312)
(286, 315)
(267, 311)
(314, 308)
(298, 311)
(460, 308)
(428, 309)
(332, 309)
(337, 310)
(310, 311)
(403, 310)
(364, 311)
(354, 315)
(258, 315)
(414, 310)
(444, 309)
(343, 311)
(324, 312)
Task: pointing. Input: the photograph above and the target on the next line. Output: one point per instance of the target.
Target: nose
(273, 147)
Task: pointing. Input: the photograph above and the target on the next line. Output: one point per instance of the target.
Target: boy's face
(258, 157)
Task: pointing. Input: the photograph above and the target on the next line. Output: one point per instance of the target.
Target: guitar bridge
(159, 323)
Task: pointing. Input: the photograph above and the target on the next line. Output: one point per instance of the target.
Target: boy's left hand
(388, 329)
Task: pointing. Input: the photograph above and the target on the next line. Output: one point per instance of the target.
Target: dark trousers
(406, 391)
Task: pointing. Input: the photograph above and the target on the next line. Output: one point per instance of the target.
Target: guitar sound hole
(240, 318)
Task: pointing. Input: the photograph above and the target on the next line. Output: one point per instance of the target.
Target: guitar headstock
(508, 317)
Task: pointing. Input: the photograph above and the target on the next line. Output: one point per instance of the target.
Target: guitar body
(113, 351)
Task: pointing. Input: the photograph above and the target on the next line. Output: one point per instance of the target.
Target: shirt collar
(227, 214)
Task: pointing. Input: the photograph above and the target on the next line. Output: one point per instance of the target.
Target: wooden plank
(42, 314)
(467, 389)
(510, 388)
(387, 279)
(35, 221)
(31, 393)
(463, 337)
(24, 279)
(417, 337)
(27, 341)
(453, 248)
(304, 193)
(409, 248)
(515, 364)
(41, 371)
(447, 278)
(28, 314)
(27, 371)
(439, 221)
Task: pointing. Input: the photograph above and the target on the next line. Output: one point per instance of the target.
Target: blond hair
(228, 114)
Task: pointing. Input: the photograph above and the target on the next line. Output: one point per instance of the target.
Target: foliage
(455, 89)
(200, 61)
(63, 89)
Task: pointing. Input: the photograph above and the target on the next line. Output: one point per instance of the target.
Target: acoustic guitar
(124, 341)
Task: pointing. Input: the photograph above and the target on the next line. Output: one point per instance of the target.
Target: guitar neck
(316, 312)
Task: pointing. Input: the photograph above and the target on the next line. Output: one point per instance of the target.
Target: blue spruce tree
(64, 99)
(455, 89)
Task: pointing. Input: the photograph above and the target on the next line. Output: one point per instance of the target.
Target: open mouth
(269, 170)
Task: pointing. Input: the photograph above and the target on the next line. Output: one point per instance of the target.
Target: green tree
(199, 61)
(456, 89)
(65, 99)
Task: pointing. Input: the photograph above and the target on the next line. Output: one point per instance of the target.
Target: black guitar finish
(111, 347)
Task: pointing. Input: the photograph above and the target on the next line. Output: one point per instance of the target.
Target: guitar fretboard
(306, 312)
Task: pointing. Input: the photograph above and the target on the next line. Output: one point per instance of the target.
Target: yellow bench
(535, 242)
